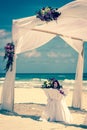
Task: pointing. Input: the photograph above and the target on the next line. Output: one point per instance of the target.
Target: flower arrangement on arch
(9, 55)
(48, 14)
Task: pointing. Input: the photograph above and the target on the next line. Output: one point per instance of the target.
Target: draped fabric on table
(56, 108)
(30, 33)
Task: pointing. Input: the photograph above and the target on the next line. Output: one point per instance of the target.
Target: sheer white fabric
(77, 94)
(30, 33)
(8, 90)
(72, 23)
(26, 38)
(56, 109)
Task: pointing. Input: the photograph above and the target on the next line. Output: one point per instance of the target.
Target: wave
(2, 79)
(67, 81)
(36, 82)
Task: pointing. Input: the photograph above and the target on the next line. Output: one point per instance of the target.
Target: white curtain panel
(78, 46)
(8, 89)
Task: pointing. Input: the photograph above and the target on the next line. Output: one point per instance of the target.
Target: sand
(28, 107)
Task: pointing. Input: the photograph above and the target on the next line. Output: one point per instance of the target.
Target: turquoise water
(28, 80)
(58, 76)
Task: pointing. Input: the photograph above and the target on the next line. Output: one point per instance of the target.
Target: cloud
(5, 37)
(33, 53)
(53, 54)
(4, 33)
(1, 53)
(72, 60)
(63, 55)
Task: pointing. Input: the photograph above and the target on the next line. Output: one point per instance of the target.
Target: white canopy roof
(31, 31)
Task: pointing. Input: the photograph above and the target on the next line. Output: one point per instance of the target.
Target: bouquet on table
(49, 84)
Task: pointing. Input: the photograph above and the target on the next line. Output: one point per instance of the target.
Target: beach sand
(28, 107)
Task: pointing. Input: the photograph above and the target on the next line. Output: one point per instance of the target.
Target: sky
(54, 57)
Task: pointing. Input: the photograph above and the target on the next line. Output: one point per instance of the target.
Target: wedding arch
(31, 32)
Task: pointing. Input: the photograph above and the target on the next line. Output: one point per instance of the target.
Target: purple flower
(9, 55)
(48, 14)
(62, 92)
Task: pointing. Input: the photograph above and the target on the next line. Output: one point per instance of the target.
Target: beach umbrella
(31, 32)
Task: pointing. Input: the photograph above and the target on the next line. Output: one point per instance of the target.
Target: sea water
(29, 80)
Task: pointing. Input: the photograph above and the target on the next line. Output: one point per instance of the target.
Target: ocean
(29, 80)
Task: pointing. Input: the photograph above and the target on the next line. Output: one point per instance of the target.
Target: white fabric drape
(26, 38)
(77, 94)
(30, 33)
(8, 89)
